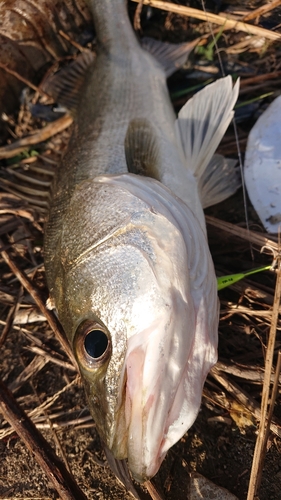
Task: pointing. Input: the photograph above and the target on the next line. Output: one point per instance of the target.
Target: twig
(259, 78)
(18, 212)
(260, 11)
(259, 453)
(8, 324)
(152, 491)
(49, 357)
(226, 22)
(29, 371)
(10, 318)
(22, 79)
(75, 44)
(42, 135)
(137, 23)
(51, 318)
(61, 479)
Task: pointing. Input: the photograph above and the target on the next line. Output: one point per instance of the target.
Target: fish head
(137, 298)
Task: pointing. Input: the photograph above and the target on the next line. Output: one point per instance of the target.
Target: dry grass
(238, 390)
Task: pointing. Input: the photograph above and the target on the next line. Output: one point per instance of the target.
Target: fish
(127, 260)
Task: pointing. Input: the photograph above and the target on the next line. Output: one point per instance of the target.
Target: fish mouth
(140, 443)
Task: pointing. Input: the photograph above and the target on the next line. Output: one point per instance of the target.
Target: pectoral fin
(142, 149)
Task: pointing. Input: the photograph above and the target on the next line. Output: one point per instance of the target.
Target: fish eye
(96, 343)
(92, 344)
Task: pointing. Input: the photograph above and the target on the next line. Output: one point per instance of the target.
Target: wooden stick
(61, 479)
(227, 22)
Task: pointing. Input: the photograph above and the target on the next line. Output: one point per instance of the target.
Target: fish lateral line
(82, 256)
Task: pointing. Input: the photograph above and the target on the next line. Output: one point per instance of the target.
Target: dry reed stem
(226, 22)
(42, 135)
(255, 478)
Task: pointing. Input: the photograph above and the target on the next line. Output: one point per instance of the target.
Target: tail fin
(201, 124)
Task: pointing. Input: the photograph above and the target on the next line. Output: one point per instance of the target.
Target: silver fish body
(126, 256)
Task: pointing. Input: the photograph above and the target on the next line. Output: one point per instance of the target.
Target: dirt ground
(220, 444)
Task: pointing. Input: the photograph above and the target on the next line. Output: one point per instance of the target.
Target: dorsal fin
(203, 120)
(142, 148)
(200, 126)
(171, 56)
(65, 85)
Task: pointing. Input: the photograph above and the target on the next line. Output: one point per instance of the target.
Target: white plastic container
(263, 167)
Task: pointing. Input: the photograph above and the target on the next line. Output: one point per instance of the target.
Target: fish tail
(111, 21)
(201, 124)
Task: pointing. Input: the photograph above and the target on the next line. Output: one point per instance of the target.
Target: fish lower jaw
(140, 468)
(142, 476)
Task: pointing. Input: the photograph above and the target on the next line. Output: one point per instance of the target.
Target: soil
(220, 444)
